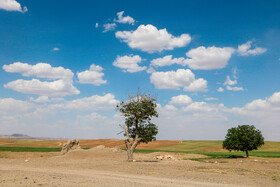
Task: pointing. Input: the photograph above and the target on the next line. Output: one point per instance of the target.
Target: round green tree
(243, 138)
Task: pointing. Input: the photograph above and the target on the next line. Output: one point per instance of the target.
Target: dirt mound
(102, 148)
(70, 146)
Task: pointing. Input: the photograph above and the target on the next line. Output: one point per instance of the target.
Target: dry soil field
(101, 166)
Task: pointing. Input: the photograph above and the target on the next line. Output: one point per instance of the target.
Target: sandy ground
(108, 167)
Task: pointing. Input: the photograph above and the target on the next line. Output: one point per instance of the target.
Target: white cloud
(96, 25)
(35, 86)
(261, 106)
(209, 58)
(40, 70)
(257, 104)
(45, 99)
(126, 19)
(95, 102)
(167, 61)
(275, 98)
(41, 99)
(150, 70)
(12, 106)
(55, 49)
(129, 63)
(149, 39)
(12, 5)
(200, 107)
(211, 99)
(198, 85)
(229, 85)
(246, 49)
(176, 79)
(180, 100)
(235, 88)
(109, 27)
(92, 76)
(167, 110)
(230, 82)
(93, 117)
(220, 89)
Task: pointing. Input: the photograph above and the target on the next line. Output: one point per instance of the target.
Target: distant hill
(16, 136)
(24, 136)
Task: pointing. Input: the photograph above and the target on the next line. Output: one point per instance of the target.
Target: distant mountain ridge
(24, 136)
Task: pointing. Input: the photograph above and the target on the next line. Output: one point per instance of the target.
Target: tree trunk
(247, 154)
(129, 150)
(129, 155)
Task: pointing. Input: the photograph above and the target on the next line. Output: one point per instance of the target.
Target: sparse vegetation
(31, 149)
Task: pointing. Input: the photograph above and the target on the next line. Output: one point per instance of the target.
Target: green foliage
(243, 138)
(147, 132)
(138, 112)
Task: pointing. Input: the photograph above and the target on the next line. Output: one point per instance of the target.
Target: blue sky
(211, 64)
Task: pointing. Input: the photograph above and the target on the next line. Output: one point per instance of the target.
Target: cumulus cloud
(246, 49)
(109, 27)
(126, 19)
(12, 106)
(167, 61)
(201, 107)
(35, 86)
(149, 39)
(92, 76)
(209, 58)
(176, 79)
(96, 25)
(95, 102)
(180, 100)
(230, 82)
(129, 63)
(275, 98)
(198, 85)
(40, 70)
(262, 107)
(12, 5)
(234, 88)
(220, 89)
